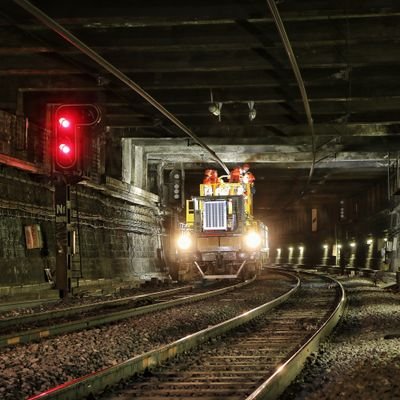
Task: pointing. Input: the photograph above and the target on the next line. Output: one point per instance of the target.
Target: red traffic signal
(72, 137)
(66, 142)
(64, 122)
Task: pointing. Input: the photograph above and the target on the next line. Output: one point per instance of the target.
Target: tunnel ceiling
(184, 52)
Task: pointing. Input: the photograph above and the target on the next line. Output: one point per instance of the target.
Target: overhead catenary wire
(288, 47)
(73, 40)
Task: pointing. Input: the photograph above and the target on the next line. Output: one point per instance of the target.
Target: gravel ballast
(361, 360)
(30, 369)
(71, 301)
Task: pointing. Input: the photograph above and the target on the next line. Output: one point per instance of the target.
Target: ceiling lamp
(215, 107)
(252, 112)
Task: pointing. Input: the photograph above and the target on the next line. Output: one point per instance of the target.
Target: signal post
(68, 169)
(63, 238)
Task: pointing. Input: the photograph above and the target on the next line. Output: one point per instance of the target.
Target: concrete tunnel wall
(118, 237)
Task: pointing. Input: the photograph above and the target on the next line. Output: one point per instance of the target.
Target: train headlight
(184, 242)
(252, 240)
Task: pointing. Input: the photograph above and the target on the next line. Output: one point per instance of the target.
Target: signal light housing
(72, 137)
(66, 142)
(175, 187)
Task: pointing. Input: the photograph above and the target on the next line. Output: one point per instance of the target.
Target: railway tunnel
(110, 114)
(318, 188)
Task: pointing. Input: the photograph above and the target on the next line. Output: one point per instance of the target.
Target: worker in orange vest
(210, 176)
(242, 175)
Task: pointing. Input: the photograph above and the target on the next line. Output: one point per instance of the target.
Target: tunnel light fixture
(325, 246)
(278, 250)
(215, 109)
(301, 249)
(339, 246)
(290, 248)
(215, 106)
(369, 242)
(352, 244)
(252, 111)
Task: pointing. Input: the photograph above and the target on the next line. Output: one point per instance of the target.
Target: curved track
(252, 356)
(95, 382)
(253, 362)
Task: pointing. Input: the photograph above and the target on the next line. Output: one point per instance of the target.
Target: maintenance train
(220, 238)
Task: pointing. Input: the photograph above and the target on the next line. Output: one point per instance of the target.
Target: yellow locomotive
(220, 238)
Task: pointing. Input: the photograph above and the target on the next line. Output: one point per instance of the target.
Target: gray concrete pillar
(126, 174)
(395, 256)
(140, 168)
(160, 182)
(134, 164)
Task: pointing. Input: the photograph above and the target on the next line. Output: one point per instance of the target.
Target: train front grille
(214, 216)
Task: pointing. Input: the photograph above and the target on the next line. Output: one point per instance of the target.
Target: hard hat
(246, 167)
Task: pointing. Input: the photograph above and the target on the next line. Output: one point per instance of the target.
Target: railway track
(261, 355)
(12, 306)
(251, 363)
(27, 328)
(257, 359)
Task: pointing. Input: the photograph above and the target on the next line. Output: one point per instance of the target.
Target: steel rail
(90, 322)
(65, 312)
(281, 378)
(7, 306)
(96, 382)
(74, 41)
